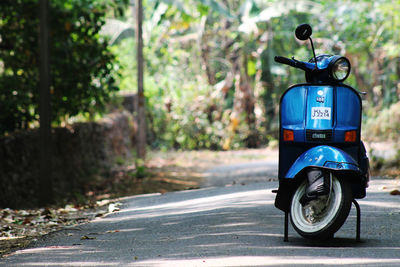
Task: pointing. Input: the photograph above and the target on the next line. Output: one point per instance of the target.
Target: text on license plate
(321, 113)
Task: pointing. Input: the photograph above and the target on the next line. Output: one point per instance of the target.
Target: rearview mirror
(303, 32)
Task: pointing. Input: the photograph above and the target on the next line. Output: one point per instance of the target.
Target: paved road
(234, 225)
(245, 173)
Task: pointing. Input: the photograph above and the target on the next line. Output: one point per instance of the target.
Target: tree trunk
(45, 190)
(244, 100)
(141, 115)
(362, 84)
(267, 80)
(205, 60)
(204, 52)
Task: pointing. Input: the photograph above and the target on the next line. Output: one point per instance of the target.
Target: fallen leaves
(113, 207)
(113, 231)
(395, 192)
(20, 223)
(19, 227)
(85, 237)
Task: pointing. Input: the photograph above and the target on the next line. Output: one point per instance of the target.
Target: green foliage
(385, 125)
(193, 46)
(191, 49)
(141, 171)
(179, 109)
(81, 67)
(368, 33)
(125, 55)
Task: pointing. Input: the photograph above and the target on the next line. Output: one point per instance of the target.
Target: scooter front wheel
(321, 218)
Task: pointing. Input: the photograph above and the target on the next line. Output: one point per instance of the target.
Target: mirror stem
(313, 50)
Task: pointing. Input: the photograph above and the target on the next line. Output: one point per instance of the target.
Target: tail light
(350, 136)
(288, 135)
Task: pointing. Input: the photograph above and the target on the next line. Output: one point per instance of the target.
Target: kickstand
(286, 235)
(358, 220)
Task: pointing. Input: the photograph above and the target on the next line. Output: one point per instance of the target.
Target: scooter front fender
(326, 157)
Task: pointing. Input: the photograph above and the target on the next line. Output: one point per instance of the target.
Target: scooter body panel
(326, 157)
(318, 114)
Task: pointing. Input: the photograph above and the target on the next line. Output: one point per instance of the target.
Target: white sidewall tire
(334, 217)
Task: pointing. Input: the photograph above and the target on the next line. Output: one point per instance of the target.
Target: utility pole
(141, 115)
(45, 190)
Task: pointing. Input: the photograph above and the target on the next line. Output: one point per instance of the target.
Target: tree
(82, 67)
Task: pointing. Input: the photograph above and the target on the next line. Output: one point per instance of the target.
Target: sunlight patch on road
(78, 263)
(61, 251)
(46, 249)
(232, 200)
(266, 261)
(381, 204)
(233, 225)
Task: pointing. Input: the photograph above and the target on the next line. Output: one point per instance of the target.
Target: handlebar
(294, 63)
(285, 60)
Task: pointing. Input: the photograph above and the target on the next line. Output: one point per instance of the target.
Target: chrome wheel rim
(319, 213)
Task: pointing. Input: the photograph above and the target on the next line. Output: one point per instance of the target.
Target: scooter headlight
(339, 68)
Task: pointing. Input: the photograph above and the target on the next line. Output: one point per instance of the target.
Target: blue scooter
(323, 165)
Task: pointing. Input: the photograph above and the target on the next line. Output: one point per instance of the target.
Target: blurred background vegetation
(210, 78)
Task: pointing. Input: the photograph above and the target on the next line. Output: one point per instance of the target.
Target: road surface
(230, 222)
